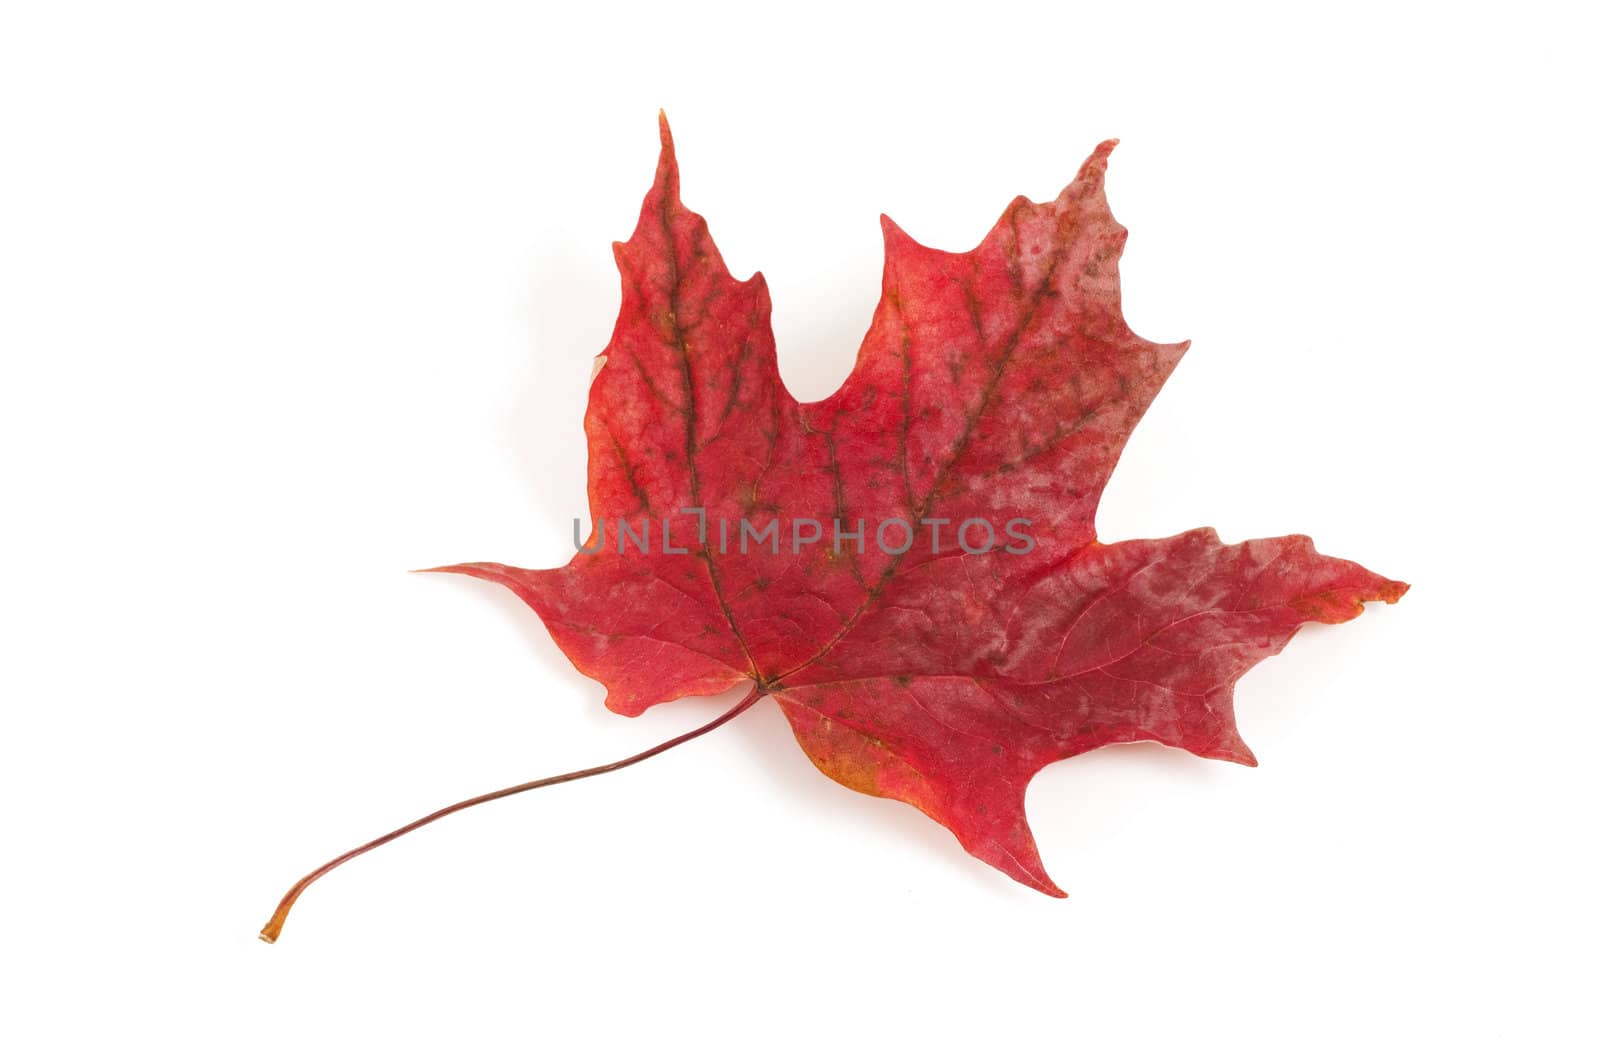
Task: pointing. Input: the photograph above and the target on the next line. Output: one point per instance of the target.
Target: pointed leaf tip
(667, 163)
(891, 230)
(1093, 170)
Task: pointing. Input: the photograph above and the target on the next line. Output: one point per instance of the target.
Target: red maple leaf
(992, 386)
(932, 610)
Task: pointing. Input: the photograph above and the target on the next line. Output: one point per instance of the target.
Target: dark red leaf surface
(993, 385)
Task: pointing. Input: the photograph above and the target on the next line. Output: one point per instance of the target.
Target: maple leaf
(847, 554)
(995, 389)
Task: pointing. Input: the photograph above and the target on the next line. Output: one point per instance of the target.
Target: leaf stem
(274, 927)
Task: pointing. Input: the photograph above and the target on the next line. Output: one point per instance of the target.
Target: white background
(299, 297)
